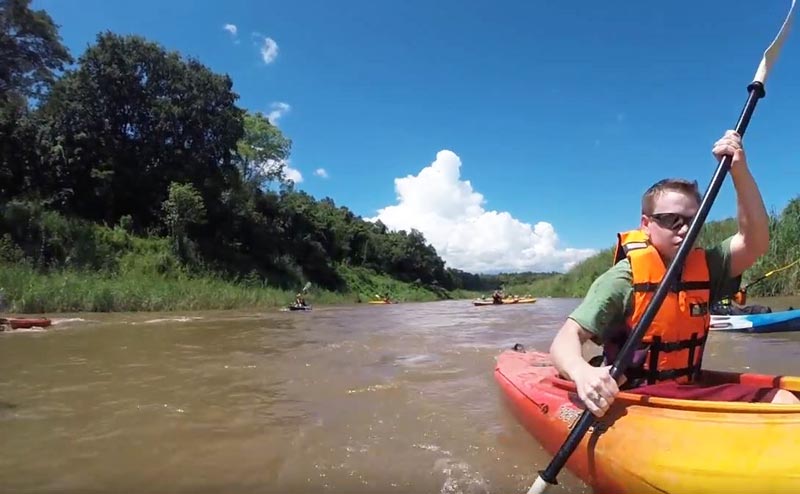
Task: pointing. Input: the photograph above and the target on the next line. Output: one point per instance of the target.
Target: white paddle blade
(771, 54)
(539, 487)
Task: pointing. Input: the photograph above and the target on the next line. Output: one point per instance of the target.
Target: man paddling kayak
(669, 361)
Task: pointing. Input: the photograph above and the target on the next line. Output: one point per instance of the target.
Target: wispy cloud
(233, 31)
(320, 172)
(277, 110)
(269, 50)
(231, 28)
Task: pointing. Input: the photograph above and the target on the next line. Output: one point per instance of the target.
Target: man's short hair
(668, 185)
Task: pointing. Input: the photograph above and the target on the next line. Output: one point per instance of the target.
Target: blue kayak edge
(774, 322)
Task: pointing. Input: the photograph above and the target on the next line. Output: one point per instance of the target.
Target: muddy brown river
(361, 398)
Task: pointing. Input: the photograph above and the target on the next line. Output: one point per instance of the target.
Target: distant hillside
(784, 249)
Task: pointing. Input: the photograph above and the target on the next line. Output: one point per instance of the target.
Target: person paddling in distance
(668, 362)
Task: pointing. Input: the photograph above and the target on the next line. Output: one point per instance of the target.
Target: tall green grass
(28, 291)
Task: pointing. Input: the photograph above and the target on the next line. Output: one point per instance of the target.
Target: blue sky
(549, 119)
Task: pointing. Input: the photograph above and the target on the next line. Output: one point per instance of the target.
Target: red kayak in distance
(25, 323)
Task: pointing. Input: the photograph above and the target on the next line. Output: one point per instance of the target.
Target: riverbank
(28, 291)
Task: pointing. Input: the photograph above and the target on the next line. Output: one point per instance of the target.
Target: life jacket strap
(656, 346)
(693, 372)
(680, 286)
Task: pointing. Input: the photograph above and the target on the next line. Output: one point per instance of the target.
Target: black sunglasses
(671, 221)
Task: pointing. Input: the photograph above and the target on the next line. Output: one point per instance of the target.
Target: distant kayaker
(669, 362)
(299, 300)
(736, 306)
(734, 300)
(497, 296)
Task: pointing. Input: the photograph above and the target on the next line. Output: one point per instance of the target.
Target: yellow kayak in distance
(381, 302)
(526, 300)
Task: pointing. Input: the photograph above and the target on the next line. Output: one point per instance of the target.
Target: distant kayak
(771, 322)
(298, 307)
(381, 302)
(25, 323)
(481, 302)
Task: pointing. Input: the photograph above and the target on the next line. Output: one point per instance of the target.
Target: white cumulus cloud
(293, 174)
(321, 172)
(231, 28)
(269, 50)
(290, 173)
(450, 213)
(277, 110)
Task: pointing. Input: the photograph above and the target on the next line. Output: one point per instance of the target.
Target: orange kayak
(24, 323)
(649, 445)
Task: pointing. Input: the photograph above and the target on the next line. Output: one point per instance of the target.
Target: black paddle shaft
(756, 92)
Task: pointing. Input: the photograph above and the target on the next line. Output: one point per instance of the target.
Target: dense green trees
(30, 49)
(31, 53)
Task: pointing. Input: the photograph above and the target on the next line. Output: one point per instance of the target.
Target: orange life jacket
(672, 347)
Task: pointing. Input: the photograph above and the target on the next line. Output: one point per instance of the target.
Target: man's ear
(644, 224)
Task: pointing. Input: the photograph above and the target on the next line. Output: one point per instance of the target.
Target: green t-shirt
(610, 298)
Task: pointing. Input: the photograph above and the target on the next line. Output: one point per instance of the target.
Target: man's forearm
(566, 350)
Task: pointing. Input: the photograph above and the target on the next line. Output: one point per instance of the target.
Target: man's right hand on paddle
(596, 388)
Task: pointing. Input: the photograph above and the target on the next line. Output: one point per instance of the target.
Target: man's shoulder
(607, 301)
(620, 271)
(614, 283)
